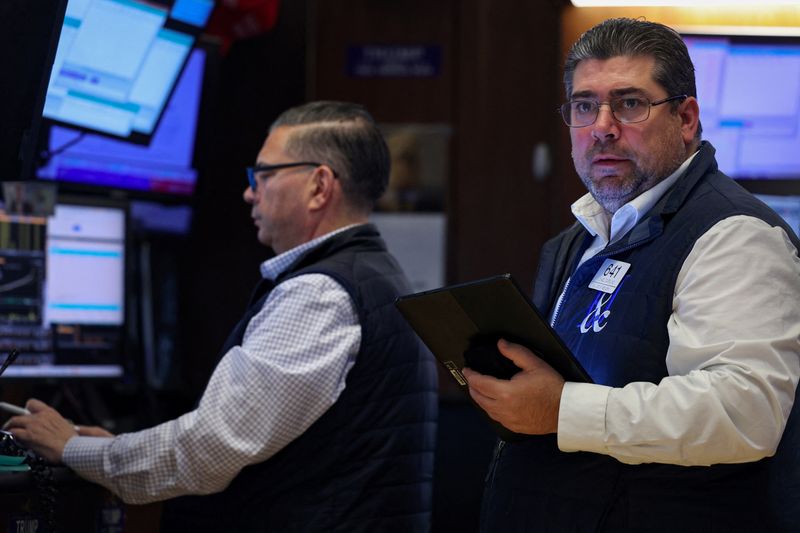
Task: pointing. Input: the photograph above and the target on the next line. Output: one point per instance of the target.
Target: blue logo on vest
(599, 311)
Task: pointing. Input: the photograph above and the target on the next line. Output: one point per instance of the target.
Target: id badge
(609, 276)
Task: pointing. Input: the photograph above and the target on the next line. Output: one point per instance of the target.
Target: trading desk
(54, 498)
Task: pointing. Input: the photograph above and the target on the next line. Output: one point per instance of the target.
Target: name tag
(609, 276)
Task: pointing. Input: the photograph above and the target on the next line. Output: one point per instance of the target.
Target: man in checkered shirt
(321, 413)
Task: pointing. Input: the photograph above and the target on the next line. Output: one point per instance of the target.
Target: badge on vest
(609, 276)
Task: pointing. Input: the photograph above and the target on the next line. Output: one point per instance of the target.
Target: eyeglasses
(626, 109)
(253, 171)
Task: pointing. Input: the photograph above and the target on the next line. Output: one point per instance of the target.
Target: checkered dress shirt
(290, 368)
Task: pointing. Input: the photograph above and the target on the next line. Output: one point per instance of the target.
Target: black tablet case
(466, 320)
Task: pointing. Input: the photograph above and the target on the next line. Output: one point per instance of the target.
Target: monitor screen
(164, 167)
(62, 291)
(117, 62)
(749, 93)
(788, 207)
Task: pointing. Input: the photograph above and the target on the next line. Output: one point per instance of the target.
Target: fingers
(485, 385)
(519, 355)
(44, 431)
(35, 406)
(529, 401)
(492, 387)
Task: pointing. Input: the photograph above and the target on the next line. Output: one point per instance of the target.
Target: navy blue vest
(367, 463)
(619, 339)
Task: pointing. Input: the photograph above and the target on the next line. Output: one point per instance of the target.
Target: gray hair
(673, 69)
(344, 136)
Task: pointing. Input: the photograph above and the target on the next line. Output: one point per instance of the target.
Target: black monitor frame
(138, 137)
(29, 32)
(208, 96)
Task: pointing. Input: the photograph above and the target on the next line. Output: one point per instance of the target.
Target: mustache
(606, 149)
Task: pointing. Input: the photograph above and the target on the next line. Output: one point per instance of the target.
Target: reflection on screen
(62, 291)
(749, 93)
(116, 63)
(164, 166)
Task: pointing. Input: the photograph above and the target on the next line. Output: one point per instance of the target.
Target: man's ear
(322, 187)
(689, 111)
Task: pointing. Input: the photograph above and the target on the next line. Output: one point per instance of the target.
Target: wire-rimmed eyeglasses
(252, 171)
(626, 109)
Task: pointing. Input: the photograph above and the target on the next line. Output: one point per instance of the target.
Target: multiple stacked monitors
(164, 167)
(749, 92)
(126, 84)
(117, 62)
(62, 291)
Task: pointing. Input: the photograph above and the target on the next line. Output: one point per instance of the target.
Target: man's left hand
(44, 430)
(529, 401)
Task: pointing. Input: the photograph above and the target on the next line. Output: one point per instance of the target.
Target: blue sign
(394, 61)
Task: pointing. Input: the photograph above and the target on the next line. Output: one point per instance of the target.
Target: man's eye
(629, 104)
(583, 106)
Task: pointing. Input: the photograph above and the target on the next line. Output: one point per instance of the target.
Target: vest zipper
(498, 449)
(559, 303)
(560, 300)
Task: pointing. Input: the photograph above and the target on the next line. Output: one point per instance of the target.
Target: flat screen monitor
(62, 291)
(117, 62)
(749, 92)
(787, 206)
(162, 168)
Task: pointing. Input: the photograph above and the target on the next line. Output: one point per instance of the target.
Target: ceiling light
(683, 3)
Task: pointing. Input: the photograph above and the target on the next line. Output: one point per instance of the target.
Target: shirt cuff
(582, 418)
(85, 455)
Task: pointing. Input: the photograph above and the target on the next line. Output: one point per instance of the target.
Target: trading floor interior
(466, 93)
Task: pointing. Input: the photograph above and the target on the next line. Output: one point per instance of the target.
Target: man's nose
(606, 127)
(249, 195)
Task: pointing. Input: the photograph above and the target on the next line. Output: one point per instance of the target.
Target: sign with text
(394, 61)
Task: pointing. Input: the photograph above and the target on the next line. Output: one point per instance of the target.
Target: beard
(614, 188)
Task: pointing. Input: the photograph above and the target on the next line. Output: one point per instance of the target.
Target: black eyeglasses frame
(252, 171)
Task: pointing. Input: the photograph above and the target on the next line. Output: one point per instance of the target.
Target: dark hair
(344, 136)
(673, 69)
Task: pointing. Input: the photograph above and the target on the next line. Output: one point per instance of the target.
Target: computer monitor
(788, 207)
(117, 62)
(162, 169)
(749, 92)
(62, 290)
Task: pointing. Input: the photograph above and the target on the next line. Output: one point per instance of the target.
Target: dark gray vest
(621, 338)
(367, 463)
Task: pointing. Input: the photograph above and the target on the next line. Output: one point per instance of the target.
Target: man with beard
(321, 413)
(678, 291)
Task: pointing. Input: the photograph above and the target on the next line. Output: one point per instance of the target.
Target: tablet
(460, 325)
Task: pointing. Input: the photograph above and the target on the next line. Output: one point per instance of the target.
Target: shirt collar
(275, 266)
(610, 228)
